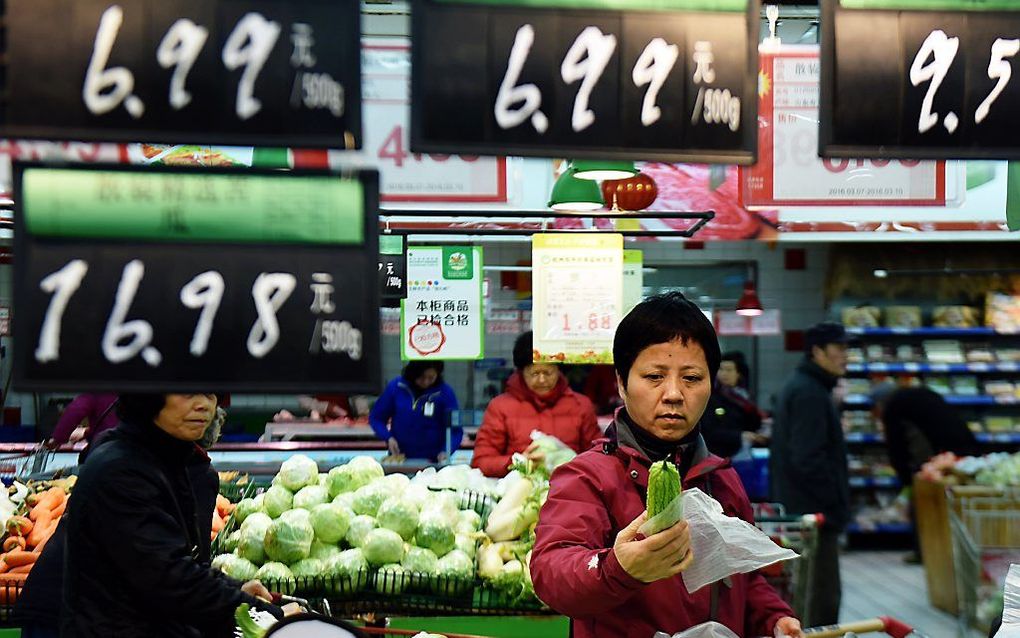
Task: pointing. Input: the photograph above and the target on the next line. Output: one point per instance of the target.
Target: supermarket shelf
(867, 482)
(982, 437)
(864, 400)
(925, 332)
(883, 528)
(863, 437)
(939, 368)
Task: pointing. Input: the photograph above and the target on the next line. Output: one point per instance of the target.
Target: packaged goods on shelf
(907, 353)
(903, 317)
(1002, 312)
(965, 386)
(980, 353)
(862, 317)
(998, 423)
(955, 317)
(943, 351)
(1000, 388)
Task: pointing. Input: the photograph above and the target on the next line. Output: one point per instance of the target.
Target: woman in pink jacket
(537, 397)
(589, 562)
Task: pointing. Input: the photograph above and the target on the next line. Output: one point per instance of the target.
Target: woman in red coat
(537, 397)
(589, 562)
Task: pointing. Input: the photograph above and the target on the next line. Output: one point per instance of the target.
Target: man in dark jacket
(808, 461)
(134, 539)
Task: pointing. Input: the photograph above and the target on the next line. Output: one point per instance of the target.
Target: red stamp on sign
(426, 337)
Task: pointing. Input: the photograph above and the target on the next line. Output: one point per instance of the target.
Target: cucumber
(663, 486)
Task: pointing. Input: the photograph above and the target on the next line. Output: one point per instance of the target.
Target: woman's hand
(258, 590)
(393, 446)
(789, 628)
(663, 555)
(534, 453)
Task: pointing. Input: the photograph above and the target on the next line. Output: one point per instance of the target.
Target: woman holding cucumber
(589, 561)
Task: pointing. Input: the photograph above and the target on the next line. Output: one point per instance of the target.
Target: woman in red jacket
(589, 562)
(537, 397)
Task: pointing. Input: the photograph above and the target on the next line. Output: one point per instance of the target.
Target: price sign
(161, 279)
(578, 296)
(920, 79)
(193, 71)
(664, 80)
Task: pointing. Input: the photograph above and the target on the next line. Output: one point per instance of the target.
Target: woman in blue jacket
(413, 413)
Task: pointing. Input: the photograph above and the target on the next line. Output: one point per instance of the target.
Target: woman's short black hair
(524, 350)
(415, 369)
(738, 359)
(662, 319)
(140, 409)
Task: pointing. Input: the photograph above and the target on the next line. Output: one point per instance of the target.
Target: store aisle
(880, 584)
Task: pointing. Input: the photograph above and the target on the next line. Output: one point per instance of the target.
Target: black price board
(665, 80)
(181, 279)
(246, 72)
(920, 79)
(392, 270)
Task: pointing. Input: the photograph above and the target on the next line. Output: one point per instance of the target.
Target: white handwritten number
(249, 45)
(652, 68)
(999, 68)
(62, 284)
(138, 331)
(270, 291)
(205, 291)
(510, 94)
(944, 49)
(180, 48)
(586, 61)
(105, 89)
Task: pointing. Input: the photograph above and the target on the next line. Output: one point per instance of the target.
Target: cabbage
(383, 546)
(324, 480)
(466, 544)
(309, 497)
(260, 501)
(468, 521)
(421, 564)
(234, 566)
(400, 515)
(308, 568)
(278, 500)
(230, 542)
(397, 482)
(368, 498)
(322, 551)
(288, 541)
(446, 504)
(454, 574)
(361, 471)
(246, 508)
(348, 571)
(276, 577)
(330, 522)
(416, 492)
(297, 515)
(251, 544)
(298, 471)
(435, 532)
(359, 529)
(391, 579)
(345, 500)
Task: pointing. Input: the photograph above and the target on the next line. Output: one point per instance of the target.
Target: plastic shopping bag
(1011, 605)
(724, 545)
(556, 451)
(665, 519)
(704, 630)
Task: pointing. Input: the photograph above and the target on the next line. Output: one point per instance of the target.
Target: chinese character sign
(578, 296)
(442, 315)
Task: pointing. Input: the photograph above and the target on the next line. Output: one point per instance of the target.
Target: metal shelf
(868, 482)
(863, 400)
(883, 528)
(1006, 367)
(926, 332)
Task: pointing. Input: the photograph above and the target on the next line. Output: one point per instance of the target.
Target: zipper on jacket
(414, 401)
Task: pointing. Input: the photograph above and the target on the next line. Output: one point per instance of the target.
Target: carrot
(50, 500)
(14, 542)
(217, 522)
(59, 511)
(4, 567)
(41, 530)
(22, 569)
(19, 526)
(46, 538)
(19, 557)
(224, 506)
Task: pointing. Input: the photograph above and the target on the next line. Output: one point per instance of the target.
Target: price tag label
(191, 71)
(151, 279)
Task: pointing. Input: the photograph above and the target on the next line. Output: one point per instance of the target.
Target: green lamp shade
(600, 170)
(572, 194)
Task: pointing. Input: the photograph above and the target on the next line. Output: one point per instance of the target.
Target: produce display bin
(10, 588)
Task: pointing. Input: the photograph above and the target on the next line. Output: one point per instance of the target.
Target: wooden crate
(932, 513)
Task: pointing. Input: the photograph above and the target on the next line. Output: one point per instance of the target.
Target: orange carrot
(22, 569)
(19, 557)
(19, 526)
(4, 567)
(50, 500)
(14, 542)
(39, 532)
(59, 511)
(48, 535)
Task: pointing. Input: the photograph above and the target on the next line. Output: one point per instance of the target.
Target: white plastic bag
(556, 451)
(1011, 605)
(665, 519)
(723, 545)
(710, 629)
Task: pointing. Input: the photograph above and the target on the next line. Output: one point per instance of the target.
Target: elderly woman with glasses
(537, 397)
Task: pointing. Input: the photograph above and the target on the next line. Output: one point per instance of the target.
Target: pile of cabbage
(351, 529)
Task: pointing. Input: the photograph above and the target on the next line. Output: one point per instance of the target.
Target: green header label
(181, 207)
(617, 5)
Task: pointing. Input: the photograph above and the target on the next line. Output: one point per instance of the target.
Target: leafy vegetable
(297, 515)
(330, 522)
(276, 577)
(298, 471)
(454, 574)
(288, 541)
(230, 542)
(308, 497)
(249, 628)
(349, 571)
(245, 508)
(400, 515)
(322, 551)
(420, 563)
(359, 529)
(391, 579)
(383, 546)
(435, 532)
(663, 486)
(368, 498)
(251, 545)
(359, 472)
(234, 566)
(466, 544)
(468, 521)
(308, 568)
(278, 500)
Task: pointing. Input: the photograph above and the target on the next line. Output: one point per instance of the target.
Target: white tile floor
(880, 584)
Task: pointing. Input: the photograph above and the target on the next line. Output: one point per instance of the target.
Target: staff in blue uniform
(413, 413)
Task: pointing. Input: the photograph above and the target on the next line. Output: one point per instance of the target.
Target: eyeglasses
(542, 373)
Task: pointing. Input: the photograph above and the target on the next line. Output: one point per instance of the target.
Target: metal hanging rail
(528, 223)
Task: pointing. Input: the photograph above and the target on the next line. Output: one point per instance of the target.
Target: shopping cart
(386, 632)
(882, 625)
(792, 579)
(19, 465)
(985, 527)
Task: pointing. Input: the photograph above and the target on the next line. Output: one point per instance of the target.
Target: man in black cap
(808, 459)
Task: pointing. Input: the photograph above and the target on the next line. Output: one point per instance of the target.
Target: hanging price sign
(160, 279)
(190, 71)
(665, 80)
(920, 79)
